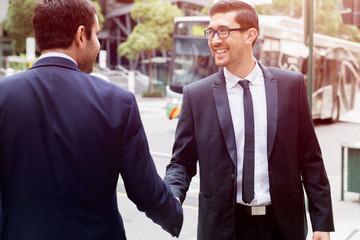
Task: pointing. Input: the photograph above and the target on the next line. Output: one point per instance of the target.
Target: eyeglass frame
(216, 31)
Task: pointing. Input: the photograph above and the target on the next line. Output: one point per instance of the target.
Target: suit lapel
(271, 107)
(224, 114)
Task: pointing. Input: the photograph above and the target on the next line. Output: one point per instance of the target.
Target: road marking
(354, 235)
(160, 154)
(184, 206)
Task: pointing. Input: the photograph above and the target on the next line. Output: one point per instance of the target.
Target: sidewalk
(346, 213)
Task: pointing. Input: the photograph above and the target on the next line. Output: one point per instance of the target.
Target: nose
(216, 38)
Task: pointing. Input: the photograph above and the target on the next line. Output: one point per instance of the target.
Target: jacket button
(176, 231)
(233, 176)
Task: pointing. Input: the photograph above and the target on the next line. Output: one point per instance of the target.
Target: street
(161, 132)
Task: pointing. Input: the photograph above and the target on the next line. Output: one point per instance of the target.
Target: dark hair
(246, 15)
(55, 22)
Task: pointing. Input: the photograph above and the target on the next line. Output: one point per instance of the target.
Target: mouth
(221, 51)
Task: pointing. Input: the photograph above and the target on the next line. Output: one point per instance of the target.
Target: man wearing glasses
(249, 127)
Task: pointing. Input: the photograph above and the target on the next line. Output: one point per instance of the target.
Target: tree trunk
(150, 68)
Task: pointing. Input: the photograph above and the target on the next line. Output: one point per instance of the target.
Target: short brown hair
(55, 22)
(246, 15)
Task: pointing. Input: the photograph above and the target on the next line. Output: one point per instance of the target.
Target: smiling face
(234, 51)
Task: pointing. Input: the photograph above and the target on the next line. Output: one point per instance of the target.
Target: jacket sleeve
(182, 166)
(142, 183)
(313, 172)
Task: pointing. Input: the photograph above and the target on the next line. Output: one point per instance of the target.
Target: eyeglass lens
(222, 32)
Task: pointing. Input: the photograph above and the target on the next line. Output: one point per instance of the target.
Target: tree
(292, 8)
(327, 20)
(205, 9)
(18, 22)
(100, 16)
(153, 31)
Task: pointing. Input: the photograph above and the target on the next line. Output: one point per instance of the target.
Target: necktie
(249, 148)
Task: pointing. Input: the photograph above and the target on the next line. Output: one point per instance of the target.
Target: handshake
(169, 215)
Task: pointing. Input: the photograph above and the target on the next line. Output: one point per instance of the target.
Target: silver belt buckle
(258, 210)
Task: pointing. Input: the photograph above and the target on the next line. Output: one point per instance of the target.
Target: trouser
(249, 226)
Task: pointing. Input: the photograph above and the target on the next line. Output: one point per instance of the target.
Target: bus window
(191, 57)
(192, 61)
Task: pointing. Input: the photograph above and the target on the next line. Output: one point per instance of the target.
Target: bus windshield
(191, 56)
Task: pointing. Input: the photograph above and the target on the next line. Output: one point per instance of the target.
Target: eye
(223, 31)
(210, 32)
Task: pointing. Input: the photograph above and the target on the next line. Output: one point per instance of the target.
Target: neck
(244, 69)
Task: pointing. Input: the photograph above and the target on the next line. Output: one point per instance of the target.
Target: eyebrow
(219, 27)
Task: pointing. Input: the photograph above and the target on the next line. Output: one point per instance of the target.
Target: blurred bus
(280, 44)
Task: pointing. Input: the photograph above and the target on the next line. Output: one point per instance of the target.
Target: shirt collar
(57, 54)
(253, 77)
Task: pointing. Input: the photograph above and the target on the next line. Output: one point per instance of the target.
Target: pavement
(347, 212)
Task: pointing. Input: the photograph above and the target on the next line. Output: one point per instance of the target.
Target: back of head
(246, 15)
(55, 22)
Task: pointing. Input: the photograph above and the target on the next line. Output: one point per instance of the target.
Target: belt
(254, 210)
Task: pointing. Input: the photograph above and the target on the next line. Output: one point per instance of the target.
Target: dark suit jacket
(205, 134)
(65, 136)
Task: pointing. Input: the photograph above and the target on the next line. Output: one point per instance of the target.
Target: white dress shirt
(235, 96)
(57, 54)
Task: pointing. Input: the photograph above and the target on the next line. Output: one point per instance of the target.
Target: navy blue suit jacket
(205, 136)
(65, 137)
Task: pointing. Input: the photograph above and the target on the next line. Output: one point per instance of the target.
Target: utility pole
(308, 15)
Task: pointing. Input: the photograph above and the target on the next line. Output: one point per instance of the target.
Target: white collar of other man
(57, 54)
(254, 77)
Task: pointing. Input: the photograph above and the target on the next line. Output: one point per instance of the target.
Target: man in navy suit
(279, 154)
(66, 136)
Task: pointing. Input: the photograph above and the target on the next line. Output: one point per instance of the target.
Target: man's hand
(321, 236)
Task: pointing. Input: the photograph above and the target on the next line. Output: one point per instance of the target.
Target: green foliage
(153, 31)
(327, 20)
(205, 10)
(292, 8)
(154, 28)
(21, 65)
(156, 93)
(18, 23)
(100, 15)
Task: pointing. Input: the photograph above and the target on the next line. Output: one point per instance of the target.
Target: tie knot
(244, 84)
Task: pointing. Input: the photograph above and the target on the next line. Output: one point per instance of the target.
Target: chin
(220, 63)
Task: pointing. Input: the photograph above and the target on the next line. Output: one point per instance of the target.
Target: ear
(80, 37)
(251, 35)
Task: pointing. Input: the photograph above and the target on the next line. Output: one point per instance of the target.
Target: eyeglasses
(222, 32)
